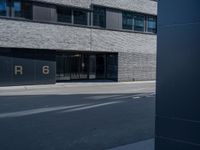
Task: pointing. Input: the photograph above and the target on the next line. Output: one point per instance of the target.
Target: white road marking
(136, 97)
(99, 97)
(37, 111)
(122, 97)
(92, 106)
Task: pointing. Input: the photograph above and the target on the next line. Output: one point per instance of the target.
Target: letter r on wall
(18, 70)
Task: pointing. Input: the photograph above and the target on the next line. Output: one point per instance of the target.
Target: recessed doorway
(86, 66)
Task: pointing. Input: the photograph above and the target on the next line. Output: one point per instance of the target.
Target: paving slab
(143, 145)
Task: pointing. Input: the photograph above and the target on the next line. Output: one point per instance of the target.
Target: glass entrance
(75, 66)
(63, 67)
(100, 66)
(84, 66)
(92, 67)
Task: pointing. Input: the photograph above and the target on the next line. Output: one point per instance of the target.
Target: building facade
(44, 41)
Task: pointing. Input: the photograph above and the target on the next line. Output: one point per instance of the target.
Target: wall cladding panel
(48, 36)
(123, 41)
(22, 67)
(177, 100)
(6, 68)
(136, 66)
(43, 36)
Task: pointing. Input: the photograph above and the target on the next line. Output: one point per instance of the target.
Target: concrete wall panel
(177, 105)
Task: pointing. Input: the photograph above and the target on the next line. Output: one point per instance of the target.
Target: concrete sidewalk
(81, 88)
(72, 84)
(143, 145)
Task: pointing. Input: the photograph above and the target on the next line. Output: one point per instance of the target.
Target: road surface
(79, 116)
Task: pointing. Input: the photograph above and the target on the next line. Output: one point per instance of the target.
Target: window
(99, 16)
(80, 17)
(130, 20)
(127, 20)
(151, 24)
(64, 14)
(139, 22)
(3, 6)
(22, 9)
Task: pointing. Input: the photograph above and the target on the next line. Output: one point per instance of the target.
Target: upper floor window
(16, 8)
(3, 8)
(102, 16)
(80, 17)
(151, 24)
(99, 16)
(139, 22)
(127, 20)
(22, 9)
(136, 22)
(64, 14)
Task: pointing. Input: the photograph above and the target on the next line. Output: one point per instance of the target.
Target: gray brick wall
(136, 66)
(49, 36)
(43, 36)
(116, 41)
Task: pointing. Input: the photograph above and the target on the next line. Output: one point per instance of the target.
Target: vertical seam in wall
(91, 28)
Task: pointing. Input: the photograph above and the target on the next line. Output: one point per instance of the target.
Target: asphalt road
(76, 116)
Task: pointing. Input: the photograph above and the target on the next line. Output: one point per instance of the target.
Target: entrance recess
(76, 66)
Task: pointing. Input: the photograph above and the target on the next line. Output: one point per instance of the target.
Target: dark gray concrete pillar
(178, 75)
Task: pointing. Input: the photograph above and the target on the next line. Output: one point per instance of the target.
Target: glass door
(84, 66)
(62, 67)
(100, 66)
(75, 66)
(92, 66)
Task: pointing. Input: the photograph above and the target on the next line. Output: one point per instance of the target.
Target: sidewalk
(81, 88)
(71, 84)
(143, 145)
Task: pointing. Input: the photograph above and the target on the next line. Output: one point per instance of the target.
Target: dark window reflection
(127, 20)
(3, 6)
(151, 24)
(80, 17)
(64, 14)
(73, 66)
(139, 22)
(100, 66)
(99, 16)
(84, 66)
(22, 9)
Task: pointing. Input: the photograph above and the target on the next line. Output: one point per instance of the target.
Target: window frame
(134, 22)
(100, 23)
(24, 14)
(77, 22)
(71, 13)
(126, 13)
(147, 24)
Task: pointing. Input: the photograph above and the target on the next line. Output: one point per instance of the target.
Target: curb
(75, 84)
